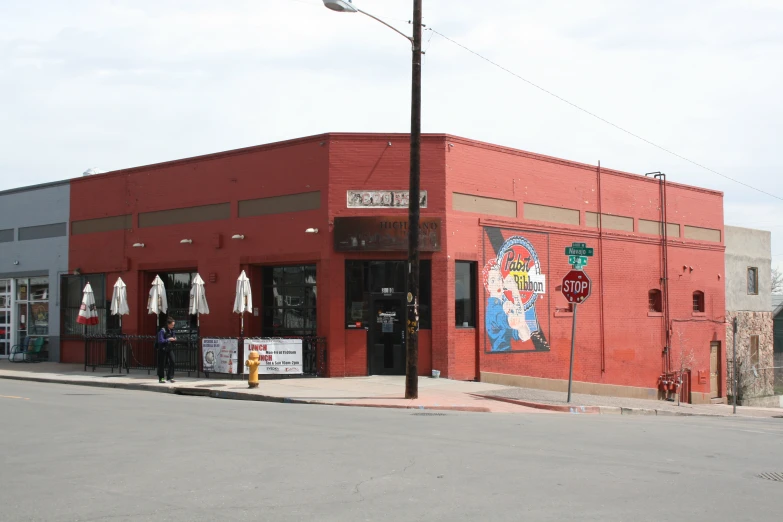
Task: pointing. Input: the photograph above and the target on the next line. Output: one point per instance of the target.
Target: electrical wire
(574, 105)
(596, 116)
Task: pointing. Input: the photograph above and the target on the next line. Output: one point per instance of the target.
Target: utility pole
(412, 341)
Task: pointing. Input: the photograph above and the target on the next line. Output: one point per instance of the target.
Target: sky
(113, 84)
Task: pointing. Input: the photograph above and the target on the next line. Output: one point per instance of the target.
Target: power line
(664, 149)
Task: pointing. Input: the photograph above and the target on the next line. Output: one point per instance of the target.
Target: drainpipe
(661, 177)
(601, 271)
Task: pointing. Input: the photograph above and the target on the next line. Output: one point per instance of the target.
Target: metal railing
(313, 355)
(314, 361)
(137, 352)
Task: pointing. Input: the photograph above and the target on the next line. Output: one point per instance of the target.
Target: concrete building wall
(33, 213)
(747, 248)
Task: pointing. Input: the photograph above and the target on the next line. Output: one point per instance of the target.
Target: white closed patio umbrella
(157, 303)
(198, 298)
(119, 300)
(243, 301)
(88, 314)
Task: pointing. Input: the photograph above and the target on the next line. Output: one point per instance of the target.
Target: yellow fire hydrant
(252, 363)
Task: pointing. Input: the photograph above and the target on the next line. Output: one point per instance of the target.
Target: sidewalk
(376, 392)
(556, 401)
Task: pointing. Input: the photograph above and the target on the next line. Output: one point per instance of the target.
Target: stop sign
(576, 286)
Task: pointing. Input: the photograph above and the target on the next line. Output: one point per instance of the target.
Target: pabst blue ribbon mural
(514, 289)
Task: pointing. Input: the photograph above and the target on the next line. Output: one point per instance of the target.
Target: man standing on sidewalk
(166, 351)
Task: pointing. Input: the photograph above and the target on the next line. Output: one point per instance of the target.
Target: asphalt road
(72, 453)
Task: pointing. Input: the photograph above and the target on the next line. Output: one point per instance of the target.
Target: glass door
(5, 318)
(178, 298)
(386, 336)
(21, 310)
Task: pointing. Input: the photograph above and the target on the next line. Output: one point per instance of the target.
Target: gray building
(33, 255)
(749, 300)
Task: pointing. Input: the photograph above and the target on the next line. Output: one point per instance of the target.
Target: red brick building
(318, 224)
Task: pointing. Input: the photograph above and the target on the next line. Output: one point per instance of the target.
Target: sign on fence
(220, 355)
(277, 356)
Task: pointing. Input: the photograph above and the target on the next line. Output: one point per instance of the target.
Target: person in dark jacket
(166, 352)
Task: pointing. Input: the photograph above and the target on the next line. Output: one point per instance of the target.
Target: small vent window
(654, 301)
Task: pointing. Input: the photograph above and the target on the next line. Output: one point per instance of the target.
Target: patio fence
(138, 352)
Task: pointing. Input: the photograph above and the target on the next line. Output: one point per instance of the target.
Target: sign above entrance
(383, 234)
(383, 199)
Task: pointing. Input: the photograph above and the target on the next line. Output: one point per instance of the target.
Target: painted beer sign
(515, 271)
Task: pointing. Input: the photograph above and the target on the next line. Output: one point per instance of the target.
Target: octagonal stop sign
(576, 286)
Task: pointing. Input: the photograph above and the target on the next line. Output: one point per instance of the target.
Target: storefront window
(289, 301)
(32, 308)
(363, 278)
(178, 286)
(71, 288)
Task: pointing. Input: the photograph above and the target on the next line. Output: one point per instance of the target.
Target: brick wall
(618, 341)
(628, 350)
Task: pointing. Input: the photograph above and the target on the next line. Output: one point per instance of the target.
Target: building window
(178, 285)
(698, 301)
(364, 278)
(71, 288)
(754, 350)
(32, 308)
(465, 294)
(289, 301)
(654, 301)
(753, 281)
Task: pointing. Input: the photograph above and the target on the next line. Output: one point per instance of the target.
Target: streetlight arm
(365, 13)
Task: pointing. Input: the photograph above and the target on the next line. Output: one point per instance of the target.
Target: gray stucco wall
(29, 207)
(745, 248)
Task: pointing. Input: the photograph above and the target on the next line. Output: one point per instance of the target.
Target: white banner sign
(277, 356)
(220, 355)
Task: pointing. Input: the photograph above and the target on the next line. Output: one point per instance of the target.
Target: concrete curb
(604, 410)
(544, 406)
(233, 395)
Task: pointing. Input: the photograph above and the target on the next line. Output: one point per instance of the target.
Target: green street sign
(579, 251)
(577, 260)
(579, 245)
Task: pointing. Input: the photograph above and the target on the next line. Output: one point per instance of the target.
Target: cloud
(118, 84)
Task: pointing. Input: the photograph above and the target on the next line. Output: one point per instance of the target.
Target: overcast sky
(114, 84)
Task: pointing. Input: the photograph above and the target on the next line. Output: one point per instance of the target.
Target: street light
(412, 324)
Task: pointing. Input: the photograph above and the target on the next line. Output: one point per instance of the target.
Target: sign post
(576, 289)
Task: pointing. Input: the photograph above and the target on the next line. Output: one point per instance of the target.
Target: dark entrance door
(386, 335)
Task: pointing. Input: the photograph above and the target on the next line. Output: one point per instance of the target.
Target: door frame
(719, 391)
(379, 296)
(11, 332)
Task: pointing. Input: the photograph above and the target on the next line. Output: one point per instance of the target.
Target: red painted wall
(295, 167)
(627, 351)
(632, 340)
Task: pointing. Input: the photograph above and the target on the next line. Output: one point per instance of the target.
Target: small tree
(685, 361)
(777, 281)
